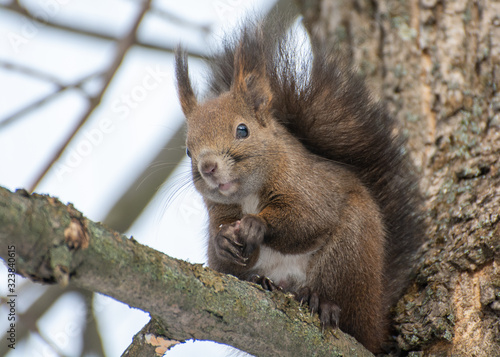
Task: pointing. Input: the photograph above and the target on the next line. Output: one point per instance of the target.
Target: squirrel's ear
(250, 78)
(186, 93)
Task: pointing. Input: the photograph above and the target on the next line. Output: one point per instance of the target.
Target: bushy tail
(324, 104)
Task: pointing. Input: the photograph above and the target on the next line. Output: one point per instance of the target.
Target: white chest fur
(287, 270)
(250, 204)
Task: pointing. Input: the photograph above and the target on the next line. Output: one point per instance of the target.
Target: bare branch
(38, 103)
(30, 72)
(190, 301)
(19, 9)
(123, 46)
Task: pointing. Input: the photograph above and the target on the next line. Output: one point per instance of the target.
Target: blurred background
(89, 114)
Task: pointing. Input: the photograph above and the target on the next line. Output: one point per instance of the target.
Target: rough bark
(55, 243)
(437, 66)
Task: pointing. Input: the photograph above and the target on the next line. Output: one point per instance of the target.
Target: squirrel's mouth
(223, 187)
(228, 188)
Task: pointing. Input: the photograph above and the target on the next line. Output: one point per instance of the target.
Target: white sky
(93, 176)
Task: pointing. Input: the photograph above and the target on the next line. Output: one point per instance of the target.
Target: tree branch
(55, 243)
(150, 341)
(38, 103)
(28, 71)
(15, 7)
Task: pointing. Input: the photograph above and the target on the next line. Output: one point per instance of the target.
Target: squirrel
(305, 178)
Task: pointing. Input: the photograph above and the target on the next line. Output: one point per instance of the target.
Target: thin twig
(27, 320)
(19, 9)
(30, 72)
(50, 342)
(60, 90)
(123, 46)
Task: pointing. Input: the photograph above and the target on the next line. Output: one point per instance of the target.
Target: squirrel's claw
(251, 230)
(233, 252)
(227, 245)
(329, 314)
(235, 242)
(264, 282)
(328, 311)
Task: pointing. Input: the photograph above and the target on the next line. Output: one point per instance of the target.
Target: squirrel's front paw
(327, 310)
(227, 244)
(251, 233)
(235, 242)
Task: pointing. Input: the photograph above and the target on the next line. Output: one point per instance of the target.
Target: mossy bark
(54, 243)
(436, 64)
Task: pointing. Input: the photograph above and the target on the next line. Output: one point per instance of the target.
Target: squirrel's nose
(208, 167)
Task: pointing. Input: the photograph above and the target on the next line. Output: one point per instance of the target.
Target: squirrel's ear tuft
(250, 78)
(186, 93)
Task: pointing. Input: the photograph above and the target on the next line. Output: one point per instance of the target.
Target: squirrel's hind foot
(328, 311)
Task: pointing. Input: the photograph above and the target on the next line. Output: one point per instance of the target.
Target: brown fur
(312, 177)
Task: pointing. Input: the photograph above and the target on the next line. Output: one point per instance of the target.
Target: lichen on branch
(56, 243)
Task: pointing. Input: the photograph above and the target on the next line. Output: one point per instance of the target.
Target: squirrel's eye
(241, 131)
(188, 153)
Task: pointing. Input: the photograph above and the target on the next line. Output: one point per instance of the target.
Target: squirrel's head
(230, 138)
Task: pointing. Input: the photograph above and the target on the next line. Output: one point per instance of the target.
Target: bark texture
(55, 243)
(437, 66)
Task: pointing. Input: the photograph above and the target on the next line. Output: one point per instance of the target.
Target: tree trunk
(437, 66)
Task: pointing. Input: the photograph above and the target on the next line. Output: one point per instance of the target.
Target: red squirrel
(306, 181)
